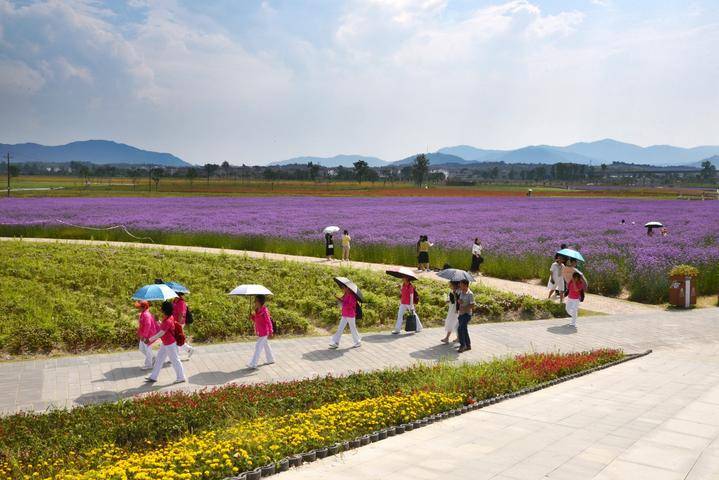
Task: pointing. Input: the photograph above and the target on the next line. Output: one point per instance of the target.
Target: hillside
(336, 161)
(434, 160)
(101, 152)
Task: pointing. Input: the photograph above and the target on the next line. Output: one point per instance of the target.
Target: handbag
(410, 323)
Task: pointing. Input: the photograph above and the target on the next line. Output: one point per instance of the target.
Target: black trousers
(463, 331)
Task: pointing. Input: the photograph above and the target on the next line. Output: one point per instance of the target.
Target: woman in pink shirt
(146, 328)
(263, 328)
(349, 314)
(406, 303)
(179, 311)
(575, 287)
(169, 346)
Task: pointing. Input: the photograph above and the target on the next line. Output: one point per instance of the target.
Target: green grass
(73, 298)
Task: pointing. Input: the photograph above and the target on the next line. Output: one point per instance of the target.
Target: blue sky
(257, 81)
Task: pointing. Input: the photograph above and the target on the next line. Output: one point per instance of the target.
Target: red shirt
(575, 289)
(147, 326)
(179, 310)
(407, 291)
(168, 326)
(263, 322)
(349, 305)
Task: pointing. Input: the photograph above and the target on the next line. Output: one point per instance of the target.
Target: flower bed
(188, 433)
(520, 235)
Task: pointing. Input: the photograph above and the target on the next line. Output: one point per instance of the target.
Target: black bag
(410, 323)
(188, 316)
(581, 295)
(358, 312)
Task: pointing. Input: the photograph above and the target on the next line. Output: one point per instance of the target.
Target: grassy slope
(77, 298)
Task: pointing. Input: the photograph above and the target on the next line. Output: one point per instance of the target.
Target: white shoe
(357, 345)
(334, 346)
(252, 367)
(270, 363)
(145, 367)
(179, 380)
(395, 332)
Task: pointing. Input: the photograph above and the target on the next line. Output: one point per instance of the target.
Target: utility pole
(7, 156)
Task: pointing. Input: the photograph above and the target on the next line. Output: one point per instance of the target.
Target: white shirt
(476, 249)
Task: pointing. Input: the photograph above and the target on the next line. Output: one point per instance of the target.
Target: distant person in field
(575, 295)
(264, 330)
(168, 349)
(650, 231)
(348, 301)
(179, 311)
(423, 253)
(451, 321)
(346, 243)
(664, 231)
(555, 285)
(329, 247)
(146, 328)
(407, 299)
(477, 258)
(466, 308)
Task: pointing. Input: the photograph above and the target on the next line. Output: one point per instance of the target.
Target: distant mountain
(336, 161)
(542, 154)
(471, 153)
(714, 159)
(101, 152)
(434, 160)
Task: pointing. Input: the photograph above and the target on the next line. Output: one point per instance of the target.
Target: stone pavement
(80, 380)
(594, 303)
(654, 418)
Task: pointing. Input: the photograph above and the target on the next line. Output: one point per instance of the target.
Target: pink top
(575, 289)
(179, 310)
(147, 326)
(406, 296)
(263, 322)
(168, 326)
(349, 305)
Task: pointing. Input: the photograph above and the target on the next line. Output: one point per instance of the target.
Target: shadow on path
(122, 373)
(384, 337)
(324, 354)
(436, 352)
(220, 378)
(109, 396)
(562, 329)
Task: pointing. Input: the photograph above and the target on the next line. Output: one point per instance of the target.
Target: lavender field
(519, 234)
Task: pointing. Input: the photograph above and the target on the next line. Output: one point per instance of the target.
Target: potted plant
(682, 286)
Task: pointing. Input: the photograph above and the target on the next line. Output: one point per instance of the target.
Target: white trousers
(452, 320)
(572, 308)
(344, 321)
(262, 344)
(400, 317)
(171, 352)
(146, 350)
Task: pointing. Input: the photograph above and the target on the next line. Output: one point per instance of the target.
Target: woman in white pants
(349, 314)
(264, 330)
(168, 348)
(452, 319)
(406, 304)
(146, 328)
(576, 286)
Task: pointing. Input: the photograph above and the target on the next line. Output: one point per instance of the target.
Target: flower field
(217, 433)
(519, 234)
(76, 298)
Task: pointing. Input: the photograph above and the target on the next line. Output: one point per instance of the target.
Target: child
(263, 329)
(576, 286)
(349, 314)
(168, 348)
(146, 328)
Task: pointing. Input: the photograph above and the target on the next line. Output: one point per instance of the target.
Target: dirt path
(594, 303)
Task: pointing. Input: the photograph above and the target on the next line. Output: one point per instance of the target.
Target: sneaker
(270, 363)
(444, 340)
(467, 348)
(150, 380)
(461, 349)
(145, 367)
(357, 345)
(334, 346)
(179, 380)
(252, 367)
(395, 332)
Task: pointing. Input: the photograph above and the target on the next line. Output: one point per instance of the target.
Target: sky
(259, 81)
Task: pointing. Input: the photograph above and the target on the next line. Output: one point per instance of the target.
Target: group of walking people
(567, 283)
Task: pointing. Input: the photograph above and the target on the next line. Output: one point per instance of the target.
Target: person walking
(346, 241)
(555, 285)
(423, 253)
(179, 311)
(349, 313)
(168, 349)
(264, 330)
(576, 288)
(452, 318)
(329, 247)
(146, 328)
(408, 295)
(466, 306)
(477, 258)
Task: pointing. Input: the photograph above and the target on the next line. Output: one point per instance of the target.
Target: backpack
(358, 312)
(188, 316)
(415, 298)
(179, 335)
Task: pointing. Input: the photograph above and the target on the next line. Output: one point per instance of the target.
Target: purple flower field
(508, 227)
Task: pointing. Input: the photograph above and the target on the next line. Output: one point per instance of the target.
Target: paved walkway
(79, 380)
(655, 418)
(594, 303)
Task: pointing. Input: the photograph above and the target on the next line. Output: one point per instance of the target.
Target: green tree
(709, 171)
(210, 168)
(313, 170)
(420, 168)
(226, 168)
(191, 174)
(156, 174)
(361, 169)
(134, 175)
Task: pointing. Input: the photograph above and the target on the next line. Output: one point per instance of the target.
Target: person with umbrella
(575, 288)
(146, 328)
(466, 308)
(650, 226)
(452, 319)
(348, 301)
(168, 349)
(179, 312)
(329, 241)
(260, 316)
(408, 298)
